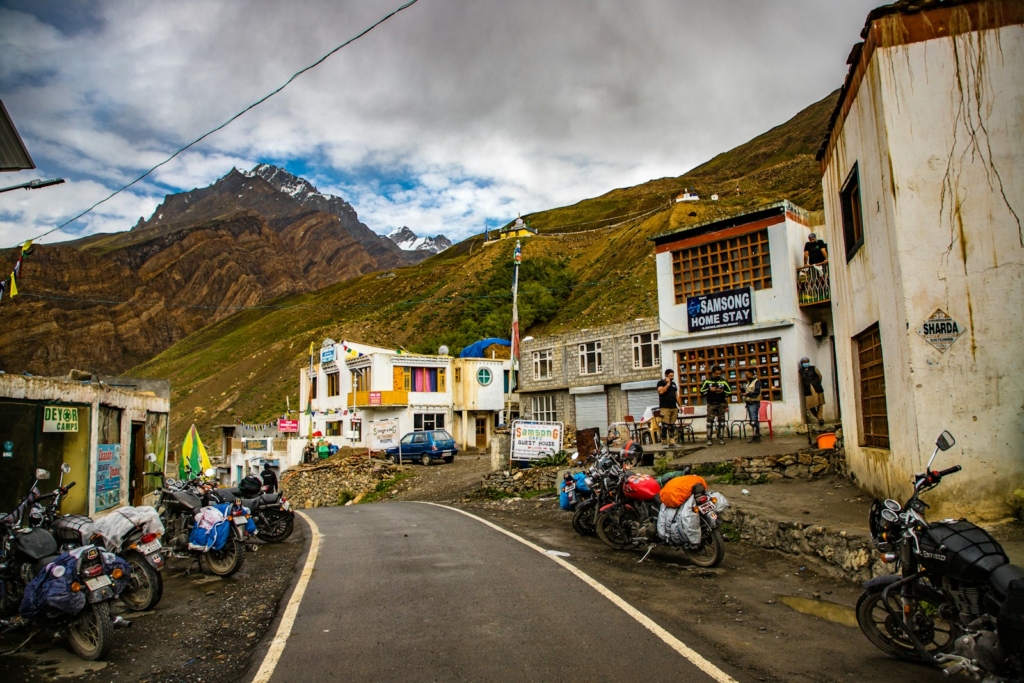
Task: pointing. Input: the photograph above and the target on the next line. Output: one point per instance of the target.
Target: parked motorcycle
(631, 519)
(67, 593)
(271, 512)
(600, 478)
(180, 502)
(141, 550)
(955, 600)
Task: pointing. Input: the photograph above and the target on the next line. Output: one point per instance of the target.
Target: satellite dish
(328, 342)
(443, 351)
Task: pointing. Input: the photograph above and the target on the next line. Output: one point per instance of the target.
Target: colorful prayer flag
(194, 460)
(14, 286)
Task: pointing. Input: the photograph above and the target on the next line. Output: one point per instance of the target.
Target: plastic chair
(634, 430)
(684, 423)
(764, 414)
(738, 424)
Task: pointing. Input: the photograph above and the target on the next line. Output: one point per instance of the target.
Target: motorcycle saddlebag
(250, 486)
(961, 550)
(37, 544)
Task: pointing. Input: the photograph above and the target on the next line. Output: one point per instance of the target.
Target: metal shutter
(639, 400)
(592, 411)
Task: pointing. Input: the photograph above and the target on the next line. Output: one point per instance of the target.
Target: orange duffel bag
(675, 492)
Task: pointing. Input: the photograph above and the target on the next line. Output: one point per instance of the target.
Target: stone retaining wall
(845, 555)
(321, 484)
(520, 481)
(810, 463)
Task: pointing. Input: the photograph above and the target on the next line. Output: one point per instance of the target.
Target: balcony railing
(371, 399)
(812, 285)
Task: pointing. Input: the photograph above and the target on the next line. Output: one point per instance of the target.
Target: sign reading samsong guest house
(60, 419)
(532, 440)
(718, 310)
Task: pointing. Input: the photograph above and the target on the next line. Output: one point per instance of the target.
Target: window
(727, 264)
(333, 383)
(646, 350)
(483, 375)
(458, 375)
(874, 419)
(423, 379)
(442, 435)
(313, 385)
(407, 439)
(481, 426)
(590, 358)
(762, 356)
(544, 409)
(542, 364)
(853, 223)
(442, 379)
(334, 428)
(419, 438)
(361, 379)
(426, 422)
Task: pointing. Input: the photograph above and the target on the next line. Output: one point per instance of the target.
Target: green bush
(558, 459)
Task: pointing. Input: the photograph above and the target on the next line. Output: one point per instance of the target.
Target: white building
(924, 199)
(762, 308)
(480, 395)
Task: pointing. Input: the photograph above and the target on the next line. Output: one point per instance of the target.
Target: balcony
(375, 399)
(812, 285)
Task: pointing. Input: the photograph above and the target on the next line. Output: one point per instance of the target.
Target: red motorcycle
(631, 521)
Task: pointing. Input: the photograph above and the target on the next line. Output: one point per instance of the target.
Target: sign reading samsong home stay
(940, 330)
(718, 310)
(60, 419)
(533, 440)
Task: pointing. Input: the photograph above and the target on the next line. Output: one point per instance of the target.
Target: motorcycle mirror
(42, 474)
(65, 468)
(150, 457)
(210, 472)
(945, 441)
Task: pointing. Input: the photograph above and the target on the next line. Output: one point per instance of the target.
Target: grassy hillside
(245, 366)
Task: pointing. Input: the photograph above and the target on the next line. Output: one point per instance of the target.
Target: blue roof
(476, 349)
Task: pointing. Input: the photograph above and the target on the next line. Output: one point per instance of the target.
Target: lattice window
(590, 358)
(333, 383)
(723, 265)
(542, 364)
(544, 409)
(646, 350)
(874, 417)
(694, 366)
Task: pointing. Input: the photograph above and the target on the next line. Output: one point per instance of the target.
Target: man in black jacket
(669, 403)
(716, 391)
(269, 478)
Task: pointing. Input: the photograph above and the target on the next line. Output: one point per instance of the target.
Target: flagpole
(517, 258)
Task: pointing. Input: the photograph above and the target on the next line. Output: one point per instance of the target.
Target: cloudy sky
(450, 116)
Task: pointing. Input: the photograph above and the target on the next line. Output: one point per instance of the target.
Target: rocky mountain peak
(407, 240)
(297, 188)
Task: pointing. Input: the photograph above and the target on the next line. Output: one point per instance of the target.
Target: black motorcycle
(139, 549)
(955, 600)
(179, 503)
(271, 512)
(25, 552)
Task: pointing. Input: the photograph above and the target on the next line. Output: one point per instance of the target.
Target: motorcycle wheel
(583, 518)
(91, 634)
(227, 560)
(145, 586)
(886, 633)
(711, 550)
(613, 528)
(274, 526)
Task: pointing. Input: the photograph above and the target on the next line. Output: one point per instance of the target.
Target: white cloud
(484, 109)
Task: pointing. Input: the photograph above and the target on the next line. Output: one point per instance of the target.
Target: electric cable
(205, 135)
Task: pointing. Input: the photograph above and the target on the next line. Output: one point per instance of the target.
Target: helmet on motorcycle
(632, 452)
(250, 486)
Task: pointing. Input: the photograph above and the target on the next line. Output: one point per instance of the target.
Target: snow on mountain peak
(407, 240)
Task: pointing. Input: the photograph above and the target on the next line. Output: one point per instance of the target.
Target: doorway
(481, 432)
(137, 464)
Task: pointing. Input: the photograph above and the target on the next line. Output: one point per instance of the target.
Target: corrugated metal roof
(13, 155)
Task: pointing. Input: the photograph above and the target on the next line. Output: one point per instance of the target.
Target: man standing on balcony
(815, 251)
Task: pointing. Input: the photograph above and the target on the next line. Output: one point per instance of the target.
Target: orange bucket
(827, 440)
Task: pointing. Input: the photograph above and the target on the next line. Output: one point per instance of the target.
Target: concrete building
(591, 377)
(924, 196)
(102, 427)
(246, 448)
(518, 228)
(480, 396)
(735, 293)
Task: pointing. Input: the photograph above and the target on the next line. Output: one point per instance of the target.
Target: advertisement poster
(718, 310)
(108, 475)
(254, 444)
(384, 434)
(534, 440)
(288, 426)
(940, 330)
(327, 355)
(60, 419)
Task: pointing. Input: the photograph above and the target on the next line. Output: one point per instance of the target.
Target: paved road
(411, 592)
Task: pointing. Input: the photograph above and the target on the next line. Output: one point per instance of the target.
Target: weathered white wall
(938, 234)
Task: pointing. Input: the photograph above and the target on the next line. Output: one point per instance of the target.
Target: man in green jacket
(716, 391)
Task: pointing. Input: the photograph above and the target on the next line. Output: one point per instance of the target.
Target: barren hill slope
(245, 365)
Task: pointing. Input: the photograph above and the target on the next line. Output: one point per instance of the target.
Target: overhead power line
(255, 104)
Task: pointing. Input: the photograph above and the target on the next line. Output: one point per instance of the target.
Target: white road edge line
(284, 629)
(679, 646)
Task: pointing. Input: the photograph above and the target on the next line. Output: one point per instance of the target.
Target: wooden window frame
(543, 364)
(740, 261)
(333, 384)
(693, 366)
(361, 379)
(852, 212)
(871, 396)
(638, 346)
(598, 358)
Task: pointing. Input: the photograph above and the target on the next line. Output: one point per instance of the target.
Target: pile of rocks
(519, 481)
(322, 484)
(807, 464)
(845, 555)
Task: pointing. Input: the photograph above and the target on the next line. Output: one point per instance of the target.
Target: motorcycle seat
(41, 563)
(1003, 576)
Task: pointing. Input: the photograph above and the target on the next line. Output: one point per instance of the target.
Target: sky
(446, 118)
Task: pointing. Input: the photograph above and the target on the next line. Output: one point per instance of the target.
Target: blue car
(425, 447)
